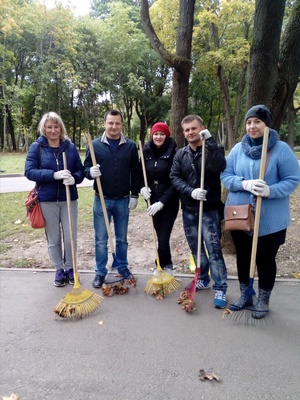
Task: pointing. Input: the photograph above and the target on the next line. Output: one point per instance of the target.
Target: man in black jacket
(118, 159)
(185, 175)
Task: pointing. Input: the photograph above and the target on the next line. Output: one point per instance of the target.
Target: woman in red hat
(158, 155)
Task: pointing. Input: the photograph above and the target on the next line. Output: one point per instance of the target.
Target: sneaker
(70, 276)
(220, 299)
(98, 281)
(201, 285)
(60, 278)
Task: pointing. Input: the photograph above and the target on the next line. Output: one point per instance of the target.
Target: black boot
(262, 305)
(126, 274)
(98, 281)
(245, 300)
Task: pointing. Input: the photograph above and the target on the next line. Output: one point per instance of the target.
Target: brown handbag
(239, 218)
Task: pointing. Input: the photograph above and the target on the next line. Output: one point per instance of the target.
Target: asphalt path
(19, 183)
(135, 347)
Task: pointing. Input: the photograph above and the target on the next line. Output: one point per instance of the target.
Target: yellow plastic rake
(79, 302)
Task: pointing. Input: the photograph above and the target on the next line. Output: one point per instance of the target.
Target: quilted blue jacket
(41, 163)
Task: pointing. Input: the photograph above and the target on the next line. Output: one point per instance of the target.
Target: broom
(161, 282)
(187, 297)
(79, 302)
(250, 291)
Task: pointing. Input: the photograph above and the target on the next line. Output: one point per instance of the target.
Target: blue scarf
(254, 152)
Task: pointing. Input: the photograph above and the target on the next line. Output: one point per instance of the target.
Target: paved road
(135, 347)
(19, 183)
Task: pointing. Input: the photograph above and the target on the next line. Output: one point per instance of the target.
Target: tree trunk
(264, 51)
(288, 68)
(11, 128)
(180, 61)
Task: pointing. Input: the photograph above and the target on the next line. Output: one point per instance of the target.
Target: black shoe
(126, 274)
(60, 278)
(70, 276)
(98, 281)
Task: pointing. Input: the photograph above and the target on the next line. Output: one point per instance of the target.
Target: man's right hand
(199, 194)
(95, 171)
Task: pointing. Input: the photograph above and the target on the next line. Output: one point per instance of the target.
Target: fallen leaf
(296, 275)
(209, 375)
(12, 397)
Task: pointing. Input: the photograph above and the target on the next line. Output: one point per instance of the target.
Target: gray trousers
(58, 232)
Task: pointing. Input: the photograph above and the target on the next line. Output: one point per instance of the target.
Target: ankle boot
(262, 305)
(245, 300)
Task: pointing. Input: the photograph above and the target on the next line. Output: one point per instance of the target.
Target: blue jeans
(211, 252)
(119, 211)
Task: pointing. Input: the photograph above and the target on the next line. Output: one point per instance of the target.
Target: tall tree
(274, 60)
(180, 61)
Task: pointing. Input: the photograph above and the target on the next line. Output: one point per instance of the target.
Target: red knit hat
(161, 127)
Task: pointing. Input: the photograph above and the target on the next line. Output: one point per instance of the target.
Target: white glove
(62, 174)
(204, 134)
(145, 192)
(152, 210)
(95, 171)
(69, 181)
(133, 202)
(257, 187)
(199, 194)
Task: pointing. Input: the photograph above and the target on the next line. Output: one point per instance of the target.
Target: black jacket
(120, 171)
(158, 164)
(186, 172)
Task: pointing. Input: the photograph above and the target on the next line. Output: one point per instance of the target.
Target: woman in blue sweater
(240, 178)
(44, 165)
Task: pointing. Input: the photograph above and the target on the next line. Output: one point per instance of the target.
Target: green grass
(13, 214)
(13, 163)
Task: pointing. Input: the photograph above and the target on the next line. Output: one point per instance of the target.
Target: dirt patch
(30, 251)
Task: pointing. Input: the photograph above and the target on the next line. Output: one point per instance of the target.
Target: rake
(187, 297)
(79, 302)
(161, 282)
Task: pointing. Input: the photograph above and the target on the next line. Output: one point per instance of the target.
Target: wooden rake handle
(111, 242)
(71, 227)
(198, 266)
(148, 203)
(258, 203)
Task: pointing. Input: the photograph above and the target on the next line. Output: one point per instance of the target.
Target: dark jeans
(211, 251)
(267, 248)
(163, 222)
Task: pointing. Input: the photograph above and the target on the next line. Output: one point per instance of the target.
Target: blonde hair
(56, 119)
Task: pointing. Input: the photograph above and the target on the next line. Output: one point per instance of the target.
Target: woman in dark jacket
(44, 165)
(158, 155)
